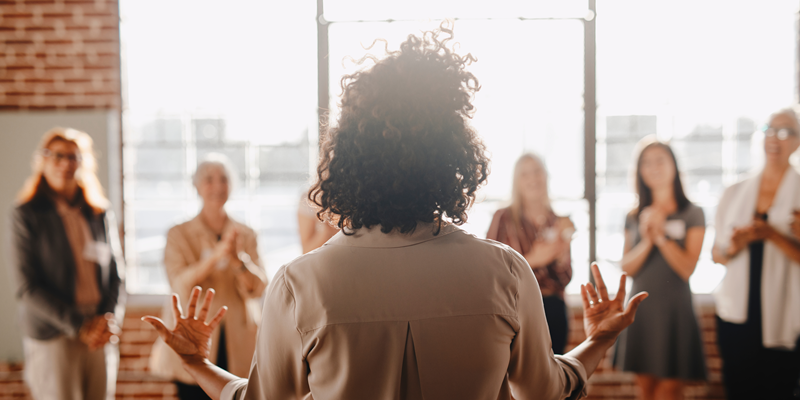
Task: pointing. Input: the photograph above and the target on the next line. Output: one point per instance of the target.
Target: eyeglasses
(780, 133)
(73, 158)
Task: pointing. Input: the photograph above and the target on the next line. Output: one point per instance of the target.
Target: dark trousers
(751, 371)
(555, 310)
(194, 392)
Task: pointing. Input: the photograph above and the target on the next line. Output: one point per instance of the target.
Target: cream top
(394, 316)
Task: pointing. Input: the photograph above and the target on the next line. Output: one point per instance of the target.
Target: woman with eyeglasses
(663, 238)
(68, 272)
(758, 332)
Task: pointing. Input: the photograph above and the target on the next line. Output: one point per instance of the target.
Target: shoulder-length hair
(85, 175)
(645, 193)
(403, 151)
(516, 194)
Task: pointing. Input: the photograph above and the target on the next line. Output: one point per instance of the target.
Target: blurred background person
(313, 232)
(68, 270)
(663, 238)
(212, 250)
(531, 228)
(758, 301)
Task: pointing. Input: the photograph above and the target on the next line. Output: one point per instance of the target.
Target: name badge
(675, 229)
(98, 252)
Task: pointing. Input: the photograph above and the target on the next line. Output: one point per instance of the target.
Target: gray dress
(664, 340)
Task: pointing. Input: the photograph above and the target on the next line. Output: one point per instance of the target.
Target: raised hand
(604, 319)
(191, 338)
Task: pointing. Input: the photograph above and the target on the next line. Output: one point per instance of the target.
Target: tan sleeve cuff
(234, 390)
(579, 373)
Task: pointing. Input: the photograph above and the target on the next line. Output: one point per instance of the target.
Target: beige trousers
(65, 369)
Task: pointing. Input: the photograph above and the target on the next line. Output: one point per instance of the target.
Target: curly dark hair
(403, 151)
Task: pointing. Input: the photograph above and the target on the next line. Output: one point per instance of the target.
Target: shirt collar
(373, 237)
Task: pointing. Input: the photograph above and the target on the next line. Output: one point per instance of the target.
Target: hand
(796, 224)
(762, 230)
(604, 319)
(227, 245)
(644, 222)
(565, 228)
(98, 331)
(740, 239)
(543, 252)
(191, 338)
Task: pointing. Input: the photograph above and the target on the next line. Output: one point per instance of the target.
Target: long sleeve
(114, 298)
(36, 298)
(278, 370)
(534, 371)
(180, 274)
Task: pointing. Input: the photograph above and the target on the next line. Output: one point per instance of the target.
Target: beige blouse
(187, 245)
(393, 316)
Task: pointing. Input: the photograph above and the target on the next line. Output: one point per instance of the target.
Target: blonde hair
(85, 175)
(516, 194)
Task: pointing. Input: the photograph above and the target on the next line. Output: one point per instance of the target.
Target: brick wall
(59, 54)
(137, 339)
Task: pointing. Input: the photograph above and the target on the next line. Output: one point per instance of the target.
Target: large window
(702, 75)
(240, 78)
(234, 77)
(530, 68)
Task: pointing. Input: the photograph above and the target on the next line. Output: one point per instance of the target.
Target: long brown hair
(645, 193)
(86, 174)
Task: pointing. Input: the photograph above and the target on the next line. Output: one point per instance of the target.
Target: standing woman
(213, 250)
(531, 228)
(68, 270)
(758, 301)
(663, 239)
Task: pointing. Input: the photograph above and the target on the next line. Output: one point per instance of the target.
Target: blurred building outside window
(203, 84)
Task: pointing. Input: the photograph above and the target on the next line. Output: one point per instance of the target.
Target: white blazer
(780, 279)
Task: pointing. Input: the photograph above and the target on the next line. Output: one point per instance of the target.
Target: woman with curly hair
(402, 304)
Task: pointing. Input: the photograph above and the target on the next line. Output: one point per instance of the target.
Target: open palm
(191, 338)
(604, 318)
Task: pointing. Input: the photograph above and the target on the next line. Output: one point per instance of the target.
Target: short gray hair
(215, 160)
(788, 112)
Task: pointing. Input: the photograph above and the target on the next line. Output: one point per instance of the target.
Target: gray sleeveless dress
(664, 340)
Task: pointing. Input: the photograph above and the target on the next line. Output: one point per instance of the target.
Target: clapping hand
(651, 223)
(603, 318)
(191, 338)
(98, 331)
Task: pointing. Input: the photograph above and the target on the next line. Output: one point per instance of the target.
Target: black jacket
(44, 269)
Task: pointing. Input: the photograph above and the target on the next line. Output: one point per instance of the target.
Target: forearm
(55, 311)
(788, 246)
(678, 258)
(633, 260)
(591, 352)
(211, 378)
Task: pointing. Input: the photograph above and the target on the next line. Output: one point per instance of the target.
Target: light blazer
(780, 278)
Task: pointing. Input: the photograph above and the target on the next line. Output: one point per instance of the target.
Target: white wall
(19, 134)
